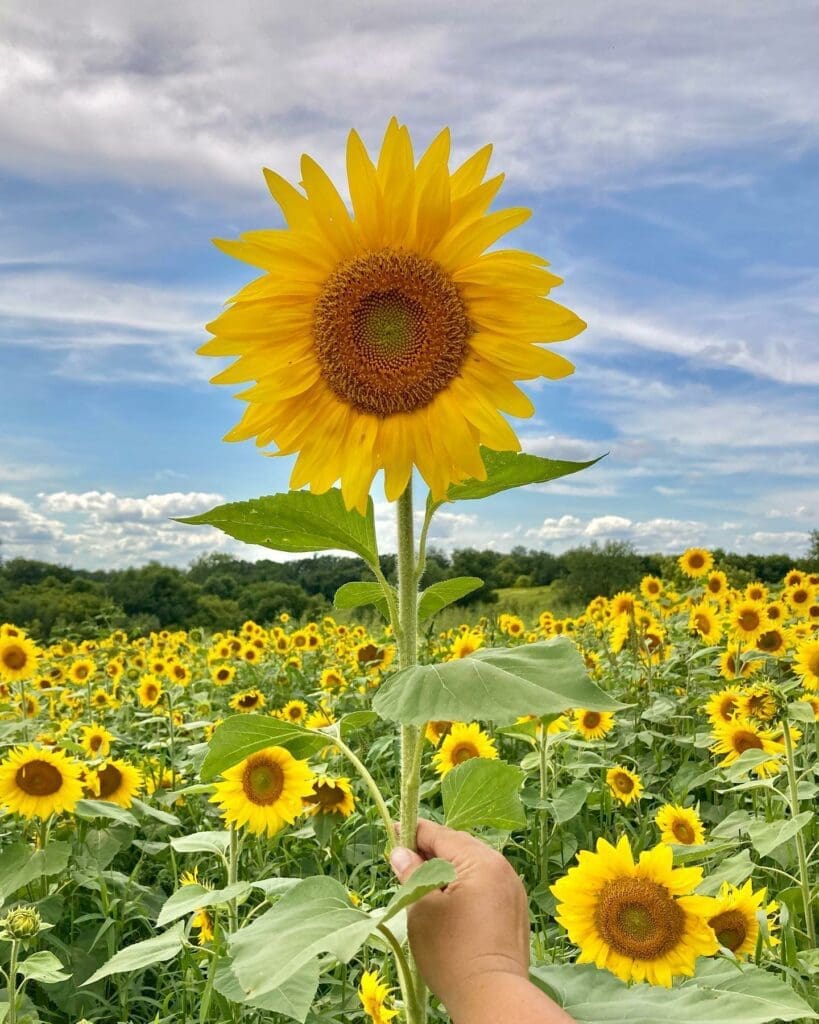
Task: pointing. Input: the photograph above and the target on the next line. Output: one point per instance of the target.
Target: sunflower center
(462, 752)
(248, 700)
(730, 929)
(683, 832)
(749, 620)
(813, 662)
(95, 742)
(638, 918)
(744, 740)
(326, 796)
(696, 561)
(591, 719)
(151, 692)
(703, 623)
(39, 778)
(391, 332)
(770, 641)
(623, 783)
(110, 779)
(81, 672)
(14, 658)
(262, 781)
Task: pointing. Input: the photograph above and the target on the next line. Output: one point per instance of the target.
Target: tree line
(219, 591)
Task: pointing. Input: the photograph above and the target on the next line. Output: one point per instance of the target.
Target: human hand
(475, 928)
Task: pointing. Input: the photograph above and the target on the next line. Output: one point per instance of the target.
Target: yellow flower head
(463, 646)
(806, 664)
(294, 711)
(150, 691)
(734, 920)
(37, 783)
(118, 782)
(330, 796)
(625, 785)
(679, 825)
(696, 562)
(18, 657)
(373, 993)
(265, 791)
(740, 734)
(722, 706)
(748, 619)
(462, 743)
(96, 740)
(250, 700)
(705, 622)
(390, 338)
(651, 587)
(593, 725)
(638, 921)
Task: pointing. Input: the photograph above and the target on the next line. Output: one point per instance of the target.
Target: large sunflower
(733, 738)
(636, 920)
(37, 783)
(117, 782)
(806, 664)
(696, 562)
(389, 338)
(265, 791)
(734, 918)
(18, 657)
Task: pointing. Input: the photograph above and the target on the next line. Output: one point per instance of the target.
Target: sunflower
(371, 658)
(332, 680)
(222, 675)
(756, 591)
(740, 734)
(716, 586)
(265, 791)
(773, 641)
(757, 702)
(639, 921)
(150, 691)
(117, 782)
(18, 657)
(748, 619)
(330, 796)
(202, 921)
(435, 731)
(249, 700)
(735, 921)
(389, 339)
(680, 825)
(38, 783)
(799, 598)
(731, 666)
(96, 740)
(294, 711)
(463, 646)
(81, 671)
(706, 623)
(320, 718)
(806, 664)
(793, 578)
(625, 785)
(651, 588)
(462, 743)
(695, 562)
(622, 603)
(373, 993)
(722, 706)
(593, 725)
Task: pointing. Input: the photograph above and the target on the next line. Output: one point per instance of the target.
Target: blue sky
(670, 156)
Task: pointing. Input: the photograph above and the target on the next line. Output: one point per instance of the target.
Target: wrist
(482, 995)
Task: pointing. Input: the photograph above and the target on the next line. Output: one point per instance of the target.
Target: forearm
(499, 998)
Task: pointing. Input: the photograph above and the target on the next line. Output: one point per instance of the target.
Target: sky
(669, 153)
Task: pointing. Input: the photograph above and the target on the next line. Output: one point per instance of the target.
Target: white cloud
(106, 507)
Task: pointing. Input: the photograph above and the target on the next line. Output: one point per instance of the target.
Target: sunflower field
(171, 800)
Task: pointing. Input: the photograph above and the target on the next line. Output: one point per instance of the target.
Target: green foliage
(507, 470)
(481, 792)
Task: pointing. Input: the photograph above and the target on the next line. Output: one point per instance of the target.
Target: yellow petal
(468, 243)
(365, 192)
(294, 206)
(328, 207)
(471, 172)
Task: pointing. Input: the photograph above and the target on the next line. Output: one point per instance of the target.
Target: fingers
(439, 841)
(404, 862)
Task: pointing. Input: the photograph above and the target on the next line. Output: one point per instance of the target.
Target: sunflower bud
(20, 923)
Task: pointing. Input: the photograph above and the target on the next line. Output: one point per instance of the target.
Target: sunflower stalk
(804, 879)
(411, 737)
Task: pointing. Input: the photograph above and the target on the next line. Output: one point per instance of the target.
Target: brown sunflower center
(222, 674)
(800, 596)
(95, 742)
(748, 620)
(295, 714)
(696, 560)
(813, 662)
(771, 641)
(462, 752)
(262, 780)
(326, 796)
(702, 623)
(109, 779)
(730, 929)
(744, 740)
(622, 783)
(591, 719)
(391, 332)
(715, 585)
(14, 657)
(151, 692)
(248, 700)
(638, 918)
(39, 778)
(683, 832)
(81, 671)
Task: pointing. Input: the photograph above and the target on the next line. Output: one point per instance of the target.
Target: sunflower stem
(411, 737)
(233, 877)
(804, 880)
(372, 786)
(11, 1013)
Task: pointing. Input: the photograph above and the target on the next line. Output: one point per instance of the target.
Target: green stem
(544, 789)
(404, 972)
(422, 540)
(804, 882)
(372, 786)
(389, 595)
(11, 1016)
(233, 876)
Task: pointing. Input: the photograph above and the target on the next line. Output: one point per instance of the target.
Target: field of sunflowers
(671, 842)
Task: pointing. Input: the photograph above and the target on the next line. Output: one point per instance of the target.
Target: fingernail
(401, 859)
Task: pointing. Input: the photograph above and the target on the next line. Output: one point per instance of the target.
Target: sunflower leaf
(494, 684)
(356, 595)
(242, 735)
(191, 898)
(293, 999)
(439, 595)
(296, 521)
(481, 792)
(155, 950)
(505, 470)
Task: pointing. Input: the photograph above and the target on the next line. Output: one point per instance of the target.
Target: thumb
(404, 862)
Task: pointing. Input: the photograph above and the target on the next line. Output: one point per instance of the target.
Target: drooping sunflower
(679, 825)
(734, 918)
(758, 702)
(18, 657)
(390, 338)
(96, 740)
(250, 700)
(706, 622)
(696, 562)
(806, 664)
(625, 785)
(638, 921)
(740, 734)
(265, 791)
(593, 725)
(373, 993)
(462, 743)
(116, 781)
(330, 796)
(37, 783)
(150, 691)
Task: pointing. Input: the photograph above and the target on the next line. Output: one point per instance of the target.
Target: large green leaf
(719, 993)
(296, 521)
(496, 684)
(293, 999)
(142, 954)
(444, 593)
(19, 866)
(505, 470)
(242, 735)
(734, 869)
(356, 595)
(191, 898)
(202, 842)
(769, 836)
(43, 967)
(481, 792)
